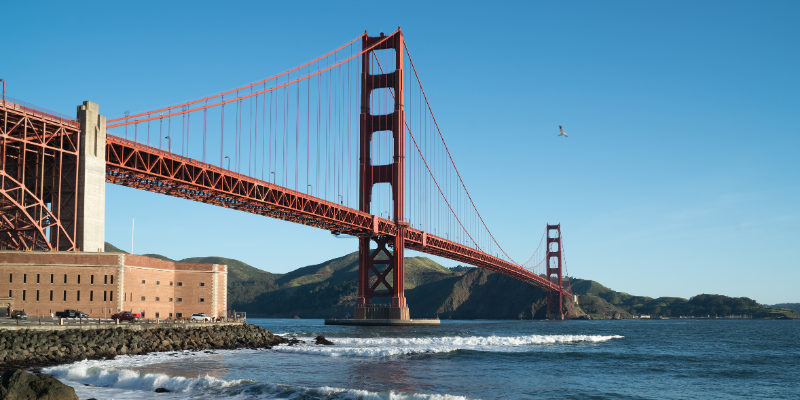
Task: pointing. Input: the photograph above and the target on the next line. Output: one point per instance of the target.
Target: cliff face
(435, 292)
(481, 294)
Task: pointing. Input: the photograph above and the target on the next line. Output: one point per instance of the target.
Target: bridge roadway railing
(24, 107)
(144, 167)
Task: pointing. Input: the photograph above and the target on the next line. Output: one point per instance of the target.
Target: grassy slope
(328, 289)
(602, 302)
(790, 306)
(110, 248)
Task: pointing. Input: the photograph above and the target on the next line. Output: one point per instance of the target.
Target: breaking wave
(94, 379)
(380, 347)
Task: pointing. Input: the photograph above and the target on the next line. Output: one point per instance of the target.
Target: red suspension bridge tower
(555, 306)
(381, 262)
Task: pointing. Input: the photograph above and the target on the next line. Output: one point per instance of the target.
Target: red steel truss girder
(143, 167)
(38, 179)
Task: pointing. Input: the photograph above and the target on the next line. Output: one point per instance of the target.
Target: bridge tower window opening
(24, 278)
(51, 295)
(51, 278)
(37, 278)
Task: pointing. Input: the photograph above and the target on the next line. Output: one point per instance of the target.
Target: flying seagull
(562, 131)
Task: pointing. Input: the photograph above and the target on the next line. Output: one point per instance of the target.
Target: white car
(201, 317)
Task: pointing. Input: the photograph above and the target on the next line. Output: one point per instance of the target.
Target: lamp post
(273, 176)
(312, 190)
(169, 143)
(229, 162)
(341, 200)
(4, 91)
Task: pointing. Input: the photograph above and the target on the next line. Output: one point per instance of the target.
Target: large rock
(18, 385)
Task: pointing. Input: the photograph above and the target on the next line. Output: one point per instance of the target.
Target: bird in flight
(562, 131)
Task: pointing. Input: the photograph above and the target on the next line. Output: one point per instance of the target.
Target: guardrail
(19, 105)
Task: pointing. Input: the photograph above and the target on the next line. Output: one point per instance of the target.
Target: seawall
(27, 348)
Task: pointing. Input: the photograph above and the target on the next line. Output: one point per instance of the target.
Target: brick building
(101, 284)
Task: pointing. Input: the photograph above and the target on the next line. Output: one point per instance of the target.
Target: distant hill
(110, 248)
(461, 269)
(791, 306)
(601, 302)
(328, 289)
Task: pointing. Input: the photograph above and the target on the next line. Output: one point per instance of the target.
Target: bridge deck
(143, 167)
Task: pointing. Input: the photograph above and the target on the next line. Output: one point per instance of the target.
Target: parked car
(201, 317)
(19, 315)
(71, 314)
(126, 316)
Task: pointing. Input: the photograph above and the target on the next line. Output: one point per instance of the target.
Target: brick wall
(111, 282)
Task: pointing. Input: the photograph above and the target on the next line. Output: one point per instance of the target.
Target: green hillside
(110, 248)
(790, 306)
(328, 289)
(602, 302)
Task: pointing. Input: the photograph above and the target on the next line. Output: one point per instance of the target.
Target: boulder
(18, 384)
(321, 340)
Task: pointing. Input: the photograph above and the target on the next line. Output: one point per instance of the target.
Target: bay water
(628, 359)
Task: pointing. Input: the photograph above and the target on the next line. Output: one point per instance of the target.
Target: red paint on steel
(147, 168)
(393, 174)
(555, 306)
(38, 178)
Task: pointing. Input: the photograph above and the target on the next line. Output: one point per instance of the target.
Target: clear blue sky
(681, 174)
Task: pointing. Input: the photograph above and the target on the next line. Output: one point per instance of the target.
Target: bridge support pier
(91, 222)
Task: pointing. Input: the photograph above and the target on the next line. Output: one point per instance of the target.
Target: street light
(312, 189)
(273, 177)
(4, 92)
(341, 200)
(169, 143)
(229, 162)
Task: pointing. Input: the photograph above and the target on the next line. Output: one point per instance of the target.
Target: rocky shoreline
(34, 349)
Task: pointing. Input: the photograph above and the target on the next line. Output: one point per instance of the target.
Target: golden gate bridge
(347, 142)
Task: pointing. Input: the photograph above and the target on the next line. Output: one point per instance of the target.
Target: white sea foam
(381, 347)
(96, 379)
(117, 378)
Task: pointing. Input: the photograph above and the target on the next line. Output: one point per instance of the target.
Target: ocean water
(632, 359)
